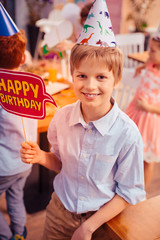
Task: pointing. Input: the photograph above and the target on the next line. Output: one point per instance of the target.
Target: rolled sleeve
(130, 174)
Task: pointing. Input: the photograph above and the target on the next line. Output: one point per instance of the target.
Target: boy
(99, 147)
(13, 172)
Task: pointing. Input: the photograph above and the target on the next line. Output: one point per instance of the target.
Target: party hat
(7, 26)
(157, 34)
(97, 30)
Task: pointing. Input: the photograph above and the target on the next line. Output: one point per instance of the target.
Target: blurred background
(126, 15)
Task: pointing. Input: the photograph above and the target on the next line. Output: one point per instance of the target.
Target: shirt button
(90, 130)
(84, 155)
(82, 177)
(82, 198)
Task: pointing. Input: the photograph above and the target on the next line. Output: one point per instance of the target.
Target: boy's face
(93, 85)
(154, 52)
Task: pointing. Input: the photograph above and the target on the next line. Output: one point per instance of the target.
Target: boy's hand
(30, 152)
(64, 45)
(82, 233)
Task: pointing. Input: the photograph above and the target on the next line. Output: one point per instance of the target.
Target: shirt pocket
(102, 168)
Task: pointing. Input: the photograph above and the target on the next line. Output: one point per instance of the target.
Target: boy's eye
(82, 76)
(101, 77)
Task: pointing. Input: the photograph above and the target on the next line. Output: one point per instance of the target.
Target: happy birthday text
(17, 87)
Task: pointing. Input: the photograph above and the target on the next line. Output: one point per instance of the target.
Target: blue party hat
(7, 26)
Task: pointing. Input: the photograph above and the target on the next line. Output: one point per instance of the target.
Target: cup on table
(52, 74)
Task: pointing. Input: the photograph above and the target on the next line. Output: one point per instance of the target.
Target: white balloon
(59, 33)
(57, 27)
(71, 12)
(55, 15)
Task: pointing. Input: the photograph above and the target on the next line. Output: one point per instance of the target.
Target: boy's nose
(91, 83)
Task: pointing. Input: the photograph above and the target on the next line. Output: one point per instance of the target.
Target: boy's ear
(23, 59)
(116, 85)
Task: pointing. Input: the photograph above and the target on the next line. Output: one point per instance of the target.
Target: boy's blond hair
(12, 50)
(111, 56)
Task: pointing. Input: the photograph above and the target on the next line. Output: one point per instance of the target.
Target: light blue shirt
(11, 136)
(99, 159)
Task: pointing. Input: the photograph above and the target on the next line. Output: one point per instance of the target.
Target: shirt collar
(76, 115)
(102, 125)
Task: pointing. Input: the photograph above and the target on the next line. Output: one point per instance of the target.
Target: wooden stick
(24, 130)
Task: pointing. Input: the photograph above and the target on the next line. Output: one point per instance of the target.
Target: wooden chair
(126, 89)
(130, 43)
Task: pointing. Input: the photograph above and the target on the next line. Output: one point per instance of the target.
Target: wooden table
(139, 222)
(140, 57)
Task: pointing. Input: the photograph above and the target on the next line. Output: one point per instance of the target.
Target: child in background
(84, 13)
(99, 146)
(13, 172)
(144, 109)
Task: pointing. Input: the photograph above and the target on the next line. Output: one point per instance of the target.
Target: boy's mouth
(91, 94)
